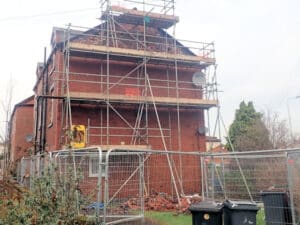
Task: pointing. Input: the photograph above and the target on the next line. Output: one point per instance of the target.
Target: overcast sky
(257, 46)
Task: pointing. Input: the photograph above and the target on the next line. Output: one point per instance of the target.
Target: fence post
(290, 176)
(142, 182)
(99, 195)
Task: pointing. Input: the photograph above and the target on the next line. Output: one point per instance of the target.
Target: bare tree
(6, 110)
(278, 129)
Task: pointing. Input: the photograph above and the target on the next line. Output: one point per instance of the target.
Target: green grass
(169, 218)
(260, 217)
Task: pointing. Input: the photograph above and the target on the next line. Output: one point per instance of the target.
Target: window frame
(92, 161)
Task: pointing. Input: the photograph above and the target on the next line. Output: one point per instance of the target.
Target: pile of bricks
(163, 202)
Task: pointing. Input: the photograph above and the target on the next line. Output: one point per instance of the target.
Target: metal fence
(1, 168)
(269, 178)
(117, 185)
(293, 161)
(113, 186)
(30, 168)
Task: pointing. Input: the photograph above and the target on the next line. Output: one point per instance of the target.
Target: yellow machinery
(78, 136)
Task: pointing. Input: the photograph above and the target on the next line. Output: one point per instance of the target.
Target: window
(94, 166)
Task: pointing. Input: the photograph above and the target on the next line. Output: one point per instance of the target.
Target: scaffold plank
(148, 99)
(138, 53)
(143, 13)
(124, 147)
(134, 16)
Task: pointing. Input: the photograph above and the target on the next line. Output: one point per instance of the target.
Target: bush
(54, 199)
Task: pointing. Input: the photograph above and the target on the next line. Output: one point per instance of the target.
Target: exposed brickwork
(21, 125)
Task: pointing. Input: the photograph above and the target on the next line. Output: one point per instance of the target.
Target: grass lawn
(260, 217)
(169, 218)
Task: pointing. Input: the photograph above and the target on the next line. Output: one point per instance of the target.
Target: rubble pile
(163, 202)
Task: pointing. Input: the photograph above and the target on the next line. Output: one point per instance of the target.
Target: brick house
(124, 82)
(21, 129)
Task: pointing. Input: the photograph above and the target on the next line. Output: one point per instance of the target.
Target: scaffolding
(142, 50)
(124, 53)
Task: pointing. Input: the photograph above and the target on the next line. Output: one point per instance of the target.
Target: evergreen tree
(248, 131)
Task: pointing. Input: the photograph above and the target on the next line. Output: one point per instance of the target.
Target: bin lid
(206, 206)
(241, 205)
(273, 193)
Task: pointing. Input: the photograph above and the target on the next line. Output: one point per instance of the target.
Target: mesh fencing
(268, 178)
(29, 168)
(116, 186)
(243, 177)
(293, 160)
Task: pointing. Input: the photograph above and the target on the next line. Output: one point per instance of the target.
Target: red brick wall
(22, 124)
(189, 120)
(89, 75)
(85, 77)
(159, 174)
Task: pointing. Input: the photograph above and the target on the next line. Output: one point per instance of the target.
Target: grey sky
(257, 45)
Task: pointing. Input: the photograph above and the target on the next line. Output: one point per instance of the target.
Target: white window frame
(95, 160)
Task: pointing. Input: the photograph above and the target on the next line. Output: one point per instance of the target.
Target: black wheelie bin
(277, 209)
(207, 213)
(240, 212)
